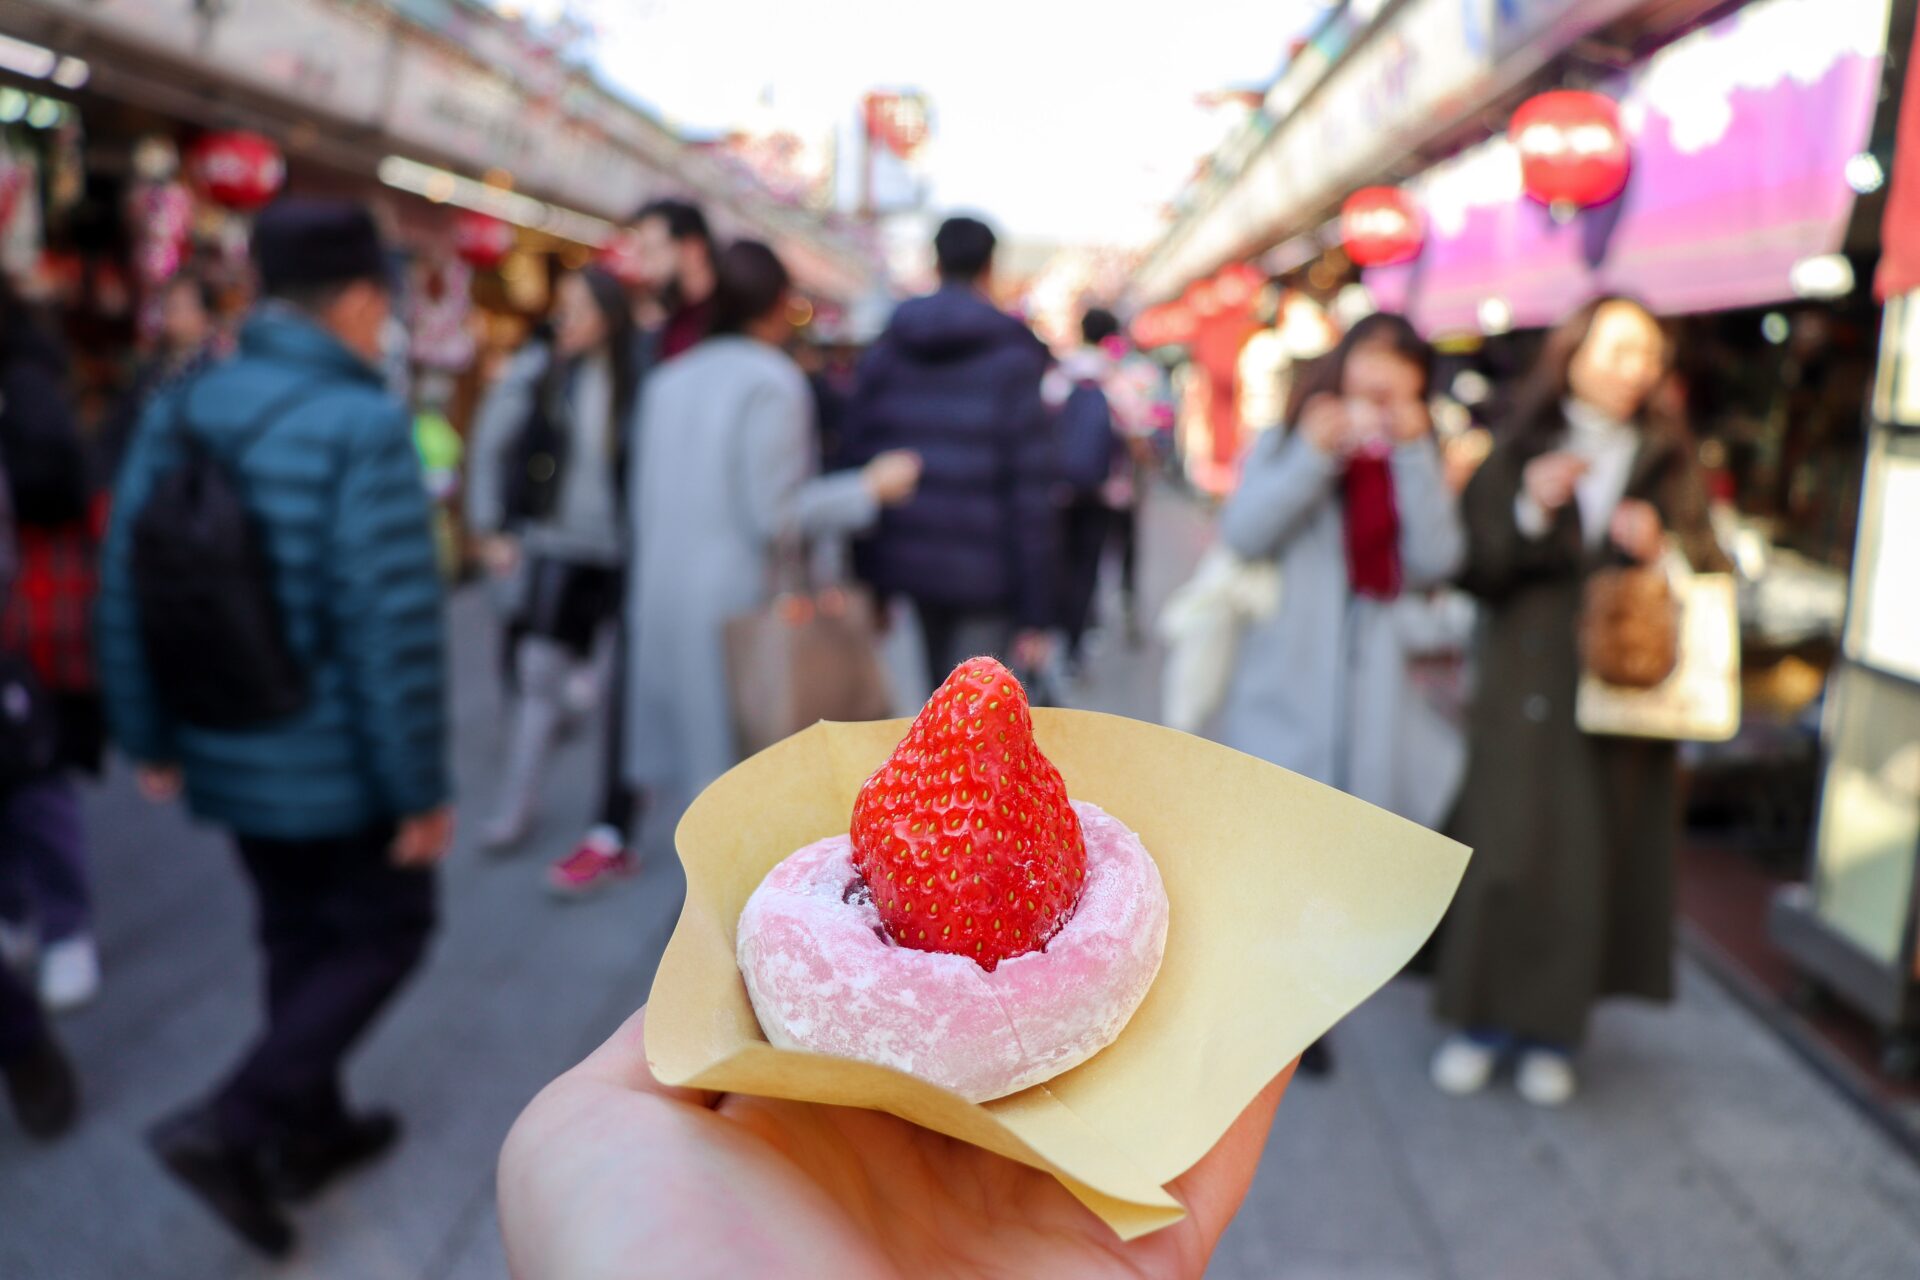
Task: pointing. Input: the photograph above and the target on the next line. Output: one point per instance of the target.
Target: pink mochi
(824, 977)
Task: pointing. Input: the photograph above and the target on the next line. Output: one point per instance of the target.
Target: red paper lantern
(237, 169)
(481, 241)
(1573, 152)
(1380, 226)
(1163, 326)
(1236, 285)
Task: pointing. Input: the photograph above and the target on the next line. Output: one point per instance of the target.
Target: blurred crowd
(700, 535)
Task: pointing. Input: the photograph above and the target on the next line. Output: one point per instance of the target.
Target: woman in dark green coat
(1569, 896)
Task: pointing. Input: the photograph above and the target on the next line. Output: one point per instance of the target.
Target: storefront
(444, 116)
(1758, 146)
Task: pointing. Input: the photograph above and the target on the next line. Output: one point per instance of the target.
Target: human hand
(1462, 456)
(892, 477)
(159, 783)
(424, 838)
(1636, 530)
(499, 554)
(1324, 422)
(1550, 478)
(608, 1167)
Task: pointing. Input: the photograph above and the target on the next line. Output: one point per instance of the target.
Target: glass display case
(1853, 929)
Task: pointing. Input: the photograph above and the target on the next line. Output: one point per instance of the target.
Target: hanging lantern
(1163, 326)
(240, 170)
(1573, 151)
(1380, 226)
(1236, 285)
(482, 242)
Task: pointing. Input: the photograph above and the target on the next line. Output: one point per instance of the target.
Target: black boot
(40, 1084)
(304, 1163)
(226, 1177)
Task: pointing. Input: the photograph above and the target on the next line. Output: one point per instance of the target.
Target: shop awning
(1741, 135)
(1900, 229)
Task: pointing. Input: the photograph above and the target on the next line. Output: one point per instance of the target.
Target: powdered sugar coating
(824, 977)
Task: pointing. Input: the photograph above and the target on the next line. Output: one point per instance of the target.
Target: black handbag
(532, 475)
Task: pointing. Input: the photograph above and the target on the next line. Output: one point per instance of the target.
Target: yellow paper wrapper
(1290, 904)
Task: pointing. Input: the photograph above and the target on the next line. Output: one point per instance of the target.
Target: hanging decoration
(1236, 285)
(1380, 226)
(1163, 326)
(1573, 150)
(482, 242)
(237, 169)
(440, 311)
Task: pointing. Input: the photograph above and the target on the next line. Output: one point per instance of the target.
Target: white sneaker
(1462, 1066)
(19, 946)
(69, 973)
(1546, 1078)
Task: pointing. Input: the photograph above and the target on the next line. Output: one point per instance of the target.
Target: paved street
(1701, 1148)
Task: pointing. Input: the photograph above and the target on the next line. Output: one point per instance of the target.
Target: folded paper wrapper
(1290, 904)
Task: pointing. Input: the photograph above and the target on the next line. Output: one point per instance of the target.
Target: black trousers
(1085, 530)
(951, 636)
(22, 1026)
(341, 928)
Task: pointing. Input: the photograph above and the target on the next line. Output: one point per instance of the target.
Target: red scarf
(1373, 528)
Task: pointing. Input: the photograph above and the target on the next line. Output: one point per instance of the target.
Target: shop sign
(1740, 134)
(1409, 76)
(172, 26)
(307, 51)
(1517, 23)
(463, 111)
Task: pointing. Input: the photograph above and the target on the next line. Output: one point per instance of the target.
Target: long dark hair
(1536, 406)
(1327, 376)
(623, 356)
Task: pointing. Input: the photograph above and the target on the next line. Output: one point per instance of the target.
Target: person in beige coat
(725, 474)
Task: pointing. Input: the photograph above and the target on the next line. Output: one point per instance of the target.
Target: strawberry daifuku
(964, 836)
(975, 928)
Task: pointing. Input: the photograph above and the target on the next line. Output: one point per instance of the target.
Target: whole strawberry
(964, 835)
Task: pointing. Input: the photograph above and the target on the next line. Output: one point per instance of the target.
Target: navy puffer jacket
(957, 381)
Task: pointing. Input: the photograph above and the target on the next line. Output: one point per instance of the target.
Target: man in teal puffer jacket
(340, 810)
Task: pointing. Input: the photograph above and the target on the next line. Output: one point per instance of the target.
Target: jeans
(1505, 1042)
(342, 929)
(43, 869)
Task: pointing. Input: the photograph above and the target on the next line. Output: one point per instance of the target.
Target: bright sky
(1062, 121)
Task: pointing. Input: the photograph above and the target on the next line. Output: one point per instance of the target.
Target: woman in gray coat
(725, 476)
(1351, 501)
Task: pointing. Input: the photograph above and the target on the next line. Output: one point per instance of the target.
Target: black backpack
(216, 649)
(1085, 439)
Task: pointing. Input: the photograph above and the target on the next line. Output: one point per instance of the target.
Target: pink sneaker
(590, 868)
